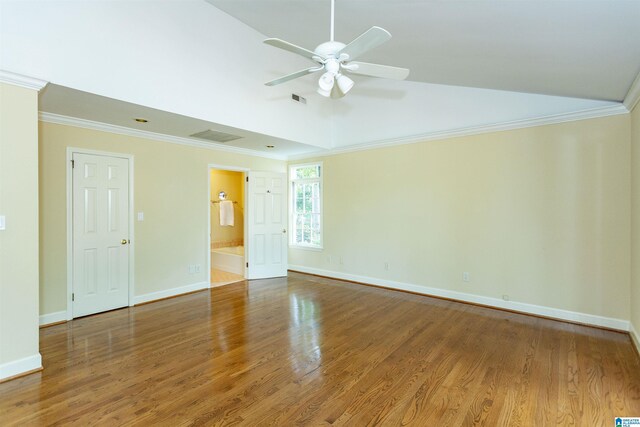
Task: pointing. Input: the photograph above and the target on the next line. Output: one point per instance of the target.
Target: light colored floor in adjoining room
(219, 278)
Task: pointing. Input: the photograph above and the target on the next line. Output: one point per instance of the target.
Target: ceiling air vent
(298, 98)
(215, 136)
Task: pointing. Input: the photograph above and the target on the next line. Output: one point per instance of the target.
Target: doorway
(227, 225)
(99, 212)
(259, 203)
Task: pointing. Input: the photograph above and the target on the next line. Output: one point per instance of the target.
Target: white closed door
(267, 225)
(100, 233)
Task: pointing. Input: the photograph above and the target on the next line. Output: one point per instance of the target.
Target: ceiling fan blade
(281, 44)
(366, 41)
(377, 70)
(293, 76)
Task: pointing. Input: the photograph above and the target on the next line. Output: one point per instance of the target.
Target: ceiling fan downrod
(333, 16)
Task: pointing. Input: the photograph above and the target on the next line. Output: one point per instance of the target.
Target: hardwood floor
(308, 351)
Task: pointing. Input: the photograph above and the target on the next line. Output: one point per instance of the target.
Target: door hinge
(247, 179)
(247, 265)
(73, 164)
(73, 297)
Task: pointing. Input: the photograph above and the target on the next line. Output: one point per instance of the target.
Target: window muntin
(306, 205)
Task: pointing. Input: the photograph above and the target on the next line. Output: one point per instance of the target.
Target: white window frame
(292, 200)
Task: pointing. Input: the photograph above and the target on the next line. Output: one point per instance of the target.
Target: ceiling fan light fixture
(327, 81)
(344, 83)
(324, 92)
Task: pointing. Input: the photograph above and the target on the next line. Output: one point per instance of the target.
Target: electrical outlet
(328, 259)
(197, 268)
(505, 297)
(386, 265)
(465, 276)
(341, 261)
(192, 268)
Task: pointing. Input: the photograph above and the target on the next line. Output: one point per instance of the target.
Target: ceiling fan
(336, 58)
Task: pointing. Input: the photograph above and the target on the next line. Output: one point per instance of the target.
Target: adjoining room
(227, 226)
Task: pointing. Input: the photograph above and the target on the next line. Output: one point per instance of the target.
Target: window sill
(307, 248)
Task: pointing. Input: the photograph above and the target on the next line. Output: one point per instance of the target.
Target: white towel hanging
(226, 213)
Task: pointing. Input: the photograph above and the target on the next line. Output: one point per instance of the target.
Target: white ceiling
(189, 66)
(584, 49)
(73, 103)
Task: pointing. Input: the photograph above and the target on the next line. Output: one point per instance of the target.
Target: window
(306, 205)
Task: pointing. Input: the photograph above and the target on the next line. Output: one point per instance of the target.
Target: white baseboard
(20, 366)
(58, 316)
(556, 313)
(635, 338)
(139, 299)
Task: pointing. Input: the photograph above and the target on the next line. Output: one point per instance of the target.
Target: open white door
(267, 225)
(100, 233)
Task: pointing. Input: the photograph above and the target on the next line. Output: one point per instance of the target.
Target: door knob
(124, 241)
(284, 230)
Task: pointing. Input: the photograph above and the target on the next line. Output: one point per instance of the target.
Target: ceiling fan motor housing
(329, 49)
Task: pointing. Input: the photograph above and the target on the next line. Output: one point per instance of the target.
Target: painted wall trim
(121, 130)
(172, 292)
(593, 113)
(20, 366)
(49, 318)
(556, 313)
(635, 338)
(22, 81)
(633, 96)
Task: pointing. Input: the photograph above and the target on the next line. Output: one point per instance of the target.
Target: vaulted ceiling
(584, 49)
(475, 66)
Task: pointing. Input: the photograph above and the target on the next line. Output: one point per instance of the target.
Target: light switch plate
(140, 216)
(3, 224)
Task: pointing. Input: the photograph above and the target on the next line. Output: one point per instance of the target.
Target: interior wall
(19, 241)
(171, 188)
(539, 215)
(635, 223)
(232, 183)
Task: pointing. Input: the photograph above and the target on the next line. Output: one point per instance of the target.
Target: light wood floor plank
(305, 350)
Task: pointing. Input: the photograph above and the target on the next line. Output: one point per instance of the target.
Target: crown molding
(475, 130)
(432, 136)
(633, 96)
(121, 130)
(22, 81)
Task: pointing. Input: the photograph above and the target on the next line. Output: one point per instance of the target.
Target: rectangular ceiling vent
(215, 136)
(298, 98)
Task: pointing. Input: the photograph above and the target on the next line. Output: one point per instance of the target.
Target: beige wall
(539, 214)
(19, 242)
(231, 183)
(171, 188)
(635, 219)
